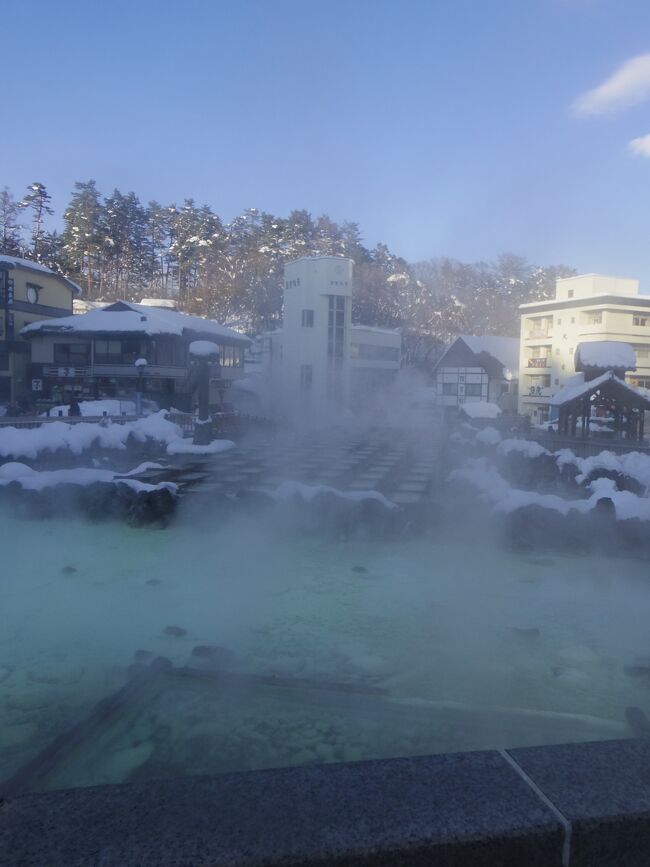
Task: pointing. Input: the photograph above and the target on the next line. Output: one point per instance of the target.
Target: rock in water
(153, 581)
(360, 569)
(214, 654)
(524, 633)
(68, 570)
(638, 722)
(142, 655)
(176, 631)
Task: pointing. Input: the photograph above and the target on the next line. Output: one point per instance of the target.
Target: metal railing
(32, 421)
(539, 362)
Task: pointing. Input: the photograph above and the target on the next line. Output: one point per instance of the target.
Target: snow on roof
(481, 409)
(504, 349)
(123, 316)
(578, 388)
(605, 354)
(29, 265)
(394, 332)
(167, 303)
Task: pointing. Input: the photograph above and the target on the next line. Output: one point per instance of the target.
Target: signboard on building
(37, 385)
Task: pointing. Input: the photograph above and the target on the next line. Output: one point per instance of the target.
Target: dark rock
(153, 581)
(605, 508)
(623, 482)
(68, 570)
(176, 631)
(161, 663)
(142, 655)
(214, 654)
(638, 722)
(361, 569)
(637, 670)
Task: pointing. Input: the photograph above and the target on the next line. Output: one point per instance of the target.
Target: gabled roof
(124, 317)
(37, 268)
(504, 350)
(577, 388)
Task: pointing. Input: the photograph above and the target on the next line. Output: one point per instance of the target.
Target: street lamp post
(140, 364)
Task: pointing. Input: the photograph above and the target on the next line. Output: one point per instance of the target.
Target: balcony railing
(539, 362)
(539, 332)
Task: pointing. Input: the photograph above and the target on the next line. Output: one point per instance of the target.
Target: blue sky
(443, 128)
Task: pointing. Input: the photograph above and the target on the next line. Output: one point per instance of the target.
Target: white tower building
(315, 368)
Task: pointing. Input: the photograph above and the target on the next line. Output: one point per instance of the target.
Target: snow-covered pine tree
(82, 249)
(37, 199)
(10, 227)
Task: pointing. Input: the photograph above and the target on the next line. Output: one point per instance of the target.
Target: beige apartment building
(587, 307)
(29, 292)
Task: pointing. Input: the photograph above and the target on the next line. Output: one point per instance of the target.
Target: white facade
(586, 308)
(477, 369)
(319, 363)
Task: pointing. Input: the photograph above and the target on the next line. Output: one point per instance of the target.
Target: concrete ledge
(461, 810)
(603, 790)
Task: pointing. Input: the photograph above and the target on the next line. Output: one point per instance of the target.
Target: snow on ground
(529, 448)
(482, 475)
(489, 436)
(33, 480)
(59, 436)
(481, 409)
(288, 490)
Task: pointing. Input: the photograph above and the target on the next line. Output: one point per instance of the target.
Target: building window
(573, 319)
(307, 318)
(449, 388)
(72, 354)
(595, 318)
(473, 389)
(557, 351)
(336, 326)
(640, 319)
(559, 322)
(557, 381)
(570, 293)
(117, 351)
(306, 376)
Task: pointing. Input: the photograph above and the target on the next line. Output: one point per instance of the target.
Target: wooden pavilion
(599, 391)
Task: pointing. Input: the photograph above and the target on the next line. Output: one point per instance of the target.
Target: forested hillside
(115, 246)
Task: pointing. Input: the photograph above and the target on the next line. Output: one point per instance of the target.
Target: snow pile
(605, 354)
(76, 438)
(528, 448)
(636, 465)
(33, 480)
(204, 349)
(505, 499)
(489, 436)
(481, 409)
(288, 490)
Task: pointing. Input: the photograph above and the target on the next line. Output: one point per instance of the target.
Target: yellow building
(28, 292)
